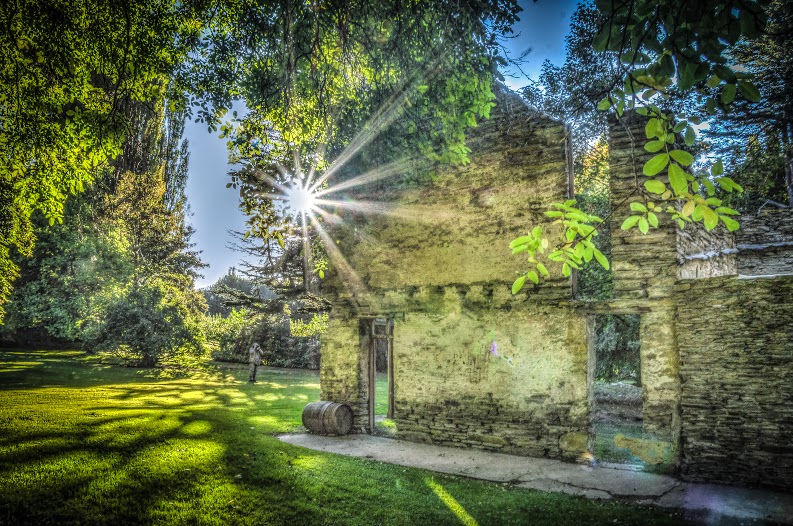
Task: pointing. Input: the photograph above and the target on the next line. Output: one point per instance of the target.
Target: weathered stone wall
(736, 366)
(644, 270)
(341, 375)
(440, 263)
(703, 254)
(456, 231)
(529, 398)
(765, 243)
(644, 265)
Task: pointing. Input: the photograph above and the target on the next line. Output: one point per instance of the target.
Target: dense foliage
(342, 88)
(150, 321)
(757, 137)
(117, 275)
(617, 353)
(67, 72)
(669, 56)
(265, 302)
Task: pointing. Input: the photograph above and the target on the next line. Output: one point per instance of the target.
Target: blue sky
(542, 27)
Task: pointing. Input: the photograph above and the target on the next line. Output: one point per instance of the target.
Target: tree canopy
(67, 71)
(674, 62)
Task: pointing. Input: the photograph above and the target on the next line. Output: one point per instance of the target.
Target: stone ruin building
(471, 365)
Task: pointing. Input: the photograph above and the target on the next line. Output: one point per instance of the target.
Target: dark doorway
(616, 389)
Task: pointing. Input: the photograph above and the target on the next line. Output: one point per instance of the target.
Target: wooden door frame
(388, 334)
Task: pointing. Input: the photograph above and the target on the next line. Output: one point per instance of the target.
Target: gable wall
(441, 265)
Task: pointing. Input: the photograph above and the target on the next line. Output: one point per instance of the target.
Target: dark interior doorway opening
(616, 388)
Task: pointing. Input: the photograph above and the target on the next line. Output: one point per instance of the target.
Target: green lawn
(86, 443)
(381, 394)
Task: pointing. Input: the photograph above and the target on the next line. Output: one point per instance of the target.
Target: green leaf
(629, 222)
(519, 249)
(533, 277)
(682, 156)
(685, 74)
(554, 213)
(726, 73)
(653, 128)
(654, 186)
(680, 126)
(652, 219)
(605, 104)
(321, 274)
(542, 269)
(718, 168)
(713, 81)
(690, 136)
(696, 214)
(654, 146)
(522, 240)
(711, 189)
(536, 232)
(728, 94)
(749, 91)
(518, 284)
(638, 207)
(688, 208)
(601, 39)
(731, 224)
(589, 252)
(566, 270)
(727, 211)
(677, 178)
(604, 262)
(644, 227)
(729, 185)
(656, 164)
(711, 218)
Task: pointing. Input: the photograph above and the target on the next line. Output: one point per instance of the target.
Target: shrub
(222, 333)
(150, 321)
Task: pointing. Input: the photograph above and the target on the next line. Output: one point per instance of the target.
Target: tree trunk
(788, 145)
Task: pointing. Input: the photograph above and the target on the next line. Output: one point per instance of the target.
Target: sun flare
(300, 199)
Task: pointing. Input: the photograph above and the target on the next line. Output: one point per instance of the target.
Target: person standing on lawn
(255, 358)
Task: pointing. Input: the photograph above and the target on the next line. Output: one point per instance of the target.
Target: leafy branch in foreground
(666, 53)
(576, 249)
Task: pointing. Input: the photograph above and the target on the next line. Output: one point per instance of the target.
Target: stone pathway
(714, 504)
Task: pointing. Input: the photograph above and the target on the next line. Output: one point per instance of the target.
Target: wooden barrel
(327, 418)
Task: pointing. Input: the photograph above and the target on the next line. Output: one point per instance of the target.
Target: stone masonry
(475, 366)
(736, 368)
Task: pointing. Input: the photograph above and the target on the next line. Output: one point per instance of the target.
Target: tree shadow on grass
(128, 450)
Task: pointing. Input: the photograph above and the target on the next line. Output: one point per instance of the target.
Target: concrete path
(712, 503)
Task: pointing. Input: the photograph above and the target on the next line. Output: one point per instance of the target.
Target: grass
(381, 394)
(86, 443)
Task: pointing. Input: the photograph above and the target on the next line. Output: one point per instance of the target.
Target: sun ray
(334, 220)
(330, 217)
(382, 172)
(381, 119)
(298, 168)
(348, 274)
(270, 196)
(367, 207)
(262, 176)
